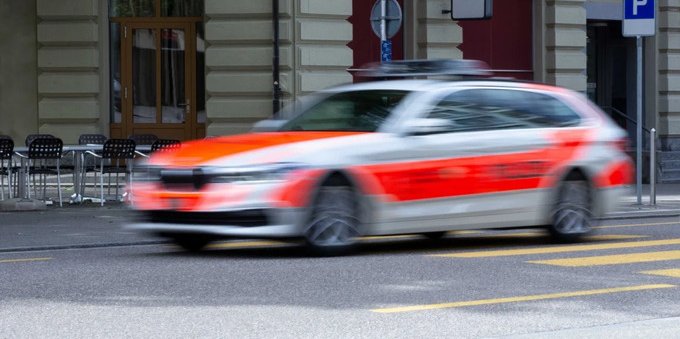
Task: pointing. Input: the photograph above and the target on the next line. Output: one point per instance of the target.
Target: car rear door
(488, 168)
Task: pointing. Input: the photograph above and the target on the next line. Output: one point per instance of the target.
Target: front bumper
(256, 223)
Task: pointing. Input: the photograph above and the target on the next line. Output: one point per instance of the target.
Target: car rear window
(488, 109)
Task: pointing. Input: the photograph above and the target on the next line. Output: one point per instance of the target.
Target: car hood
(211, 151)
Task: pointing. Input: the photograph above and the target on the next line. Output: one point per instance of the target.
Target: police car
(400, 156)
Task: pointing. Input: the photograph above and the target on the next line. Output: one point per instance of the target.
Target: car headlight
(254, 174)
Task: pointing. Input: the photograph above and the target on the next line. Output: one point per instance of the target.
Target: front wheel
(191, 243)
(572, 218)
(333, 228)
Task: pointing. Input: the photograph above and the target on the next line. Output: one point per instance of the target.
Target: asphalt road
(623, 283)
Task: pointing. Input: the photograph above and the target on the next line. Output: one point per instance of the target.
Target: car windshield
(360, 111)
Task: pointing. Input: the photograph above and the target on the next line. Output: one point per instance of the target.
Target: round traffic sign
(392, 18)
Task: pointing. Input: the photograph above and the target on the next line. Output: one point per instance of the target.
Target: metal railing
(652, 152)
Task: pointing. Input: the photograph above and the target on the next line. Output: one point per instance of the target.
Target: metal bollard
(652, 167)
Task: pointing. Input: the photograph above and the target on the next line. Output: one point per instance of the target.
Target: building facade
(187, 69)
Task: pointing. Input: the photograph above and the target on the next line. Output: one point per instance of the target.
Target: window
(361, 111)
(151, 8)
(489, 109)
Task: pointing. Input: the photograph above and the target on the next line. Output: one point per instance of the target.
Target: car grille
(248, 218)
(184, 179)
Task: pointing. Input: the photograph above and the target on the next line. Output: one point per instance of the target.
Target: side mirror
(427, 126)
(268, 125)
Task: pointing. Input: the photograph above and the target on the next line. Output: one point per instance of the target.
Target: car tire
(434, 235)
(333, 227)
(572, 218)
(191, 243)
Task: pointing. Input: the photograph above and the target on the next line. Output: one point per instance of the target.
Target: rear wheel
(333, 228)
(572, 217)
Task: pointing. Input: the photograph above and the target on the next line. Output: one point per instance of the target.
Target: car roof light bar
(416, 68)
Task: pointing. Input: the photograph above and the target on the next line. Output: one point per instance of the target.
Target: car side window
(348, 111)
(491, 109)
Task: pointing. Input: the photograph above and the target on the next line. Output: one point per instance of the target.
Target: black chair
(44, 158)
(6, 152)
(31, 137)
(162, 145)
(86, 166)
(119, 153)
(92, 139)
(143, 139)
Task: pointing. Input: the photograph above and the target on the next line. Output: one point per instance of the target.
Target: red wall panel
(504, 41)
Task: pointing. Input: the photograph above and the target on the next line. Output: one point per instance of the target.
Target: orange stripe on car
(533, 169)
(197, 152)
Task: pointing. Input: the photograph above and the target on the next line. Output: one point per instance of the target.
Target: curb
(82, 246)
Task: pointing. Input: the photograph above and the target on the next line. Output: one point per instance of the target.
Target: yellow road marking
(3, 261)
(560, 249)
(639, 225)
(673, 272)
(596, 237)
(601, 237)
(244, 244)
(388, 237)
(519, 299)
(612, 259)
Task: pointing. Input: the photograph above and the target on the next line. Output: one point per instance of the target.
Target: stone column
(429, 33)
(69, 68)
(563, 54)
(668, 41)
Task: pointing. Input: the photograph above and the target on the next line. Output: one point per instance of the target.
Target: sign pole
(386, 22)
(639, 19)
(638, 170)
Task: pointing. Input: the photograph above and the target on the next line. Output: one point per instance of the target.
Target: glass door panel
(116, 102)
(200, 74)
(174, 102)
(144, 48)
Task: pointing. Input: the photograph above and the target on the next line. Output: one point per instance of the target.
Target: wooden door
(158, 65)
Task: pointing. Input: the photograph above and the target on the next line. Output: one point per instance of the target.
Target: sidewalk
(667, 203)
(90, 225)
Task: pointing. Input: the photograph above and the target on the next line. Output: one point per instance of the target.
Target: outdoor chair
(118, 153)
(87, 166)
(31, 137)
(44, 158)
(143, 139)
(92, 139)
(162, 145)
(6, 152)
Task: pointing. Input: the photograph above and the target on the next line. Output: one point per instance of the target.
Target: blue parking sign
(639, 18)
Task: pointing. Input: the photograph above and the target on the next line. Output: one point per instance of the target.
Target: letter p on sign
(637, 3)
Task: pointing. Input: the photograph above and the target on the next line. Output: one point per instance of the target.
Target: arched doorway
(157, 55)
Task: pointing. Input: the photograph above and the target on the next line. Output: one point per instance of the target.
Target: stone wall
(239, 80)
(429, 32)
(564, 43)
(668, 59)
(18, 89)
(69, 68)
